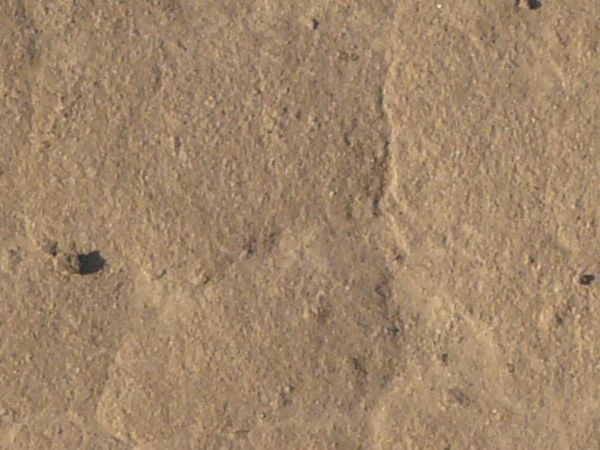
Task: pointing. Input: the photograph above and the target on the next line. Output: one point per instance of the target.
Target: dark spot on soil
(273, 238)
(14, 258)
(392, 330)
(458, 396)
(315, 23)
(399, 256)
(444, 358)
(251, 246)
(559, 320)
(586, 279)
(51, 247)
(322, 310)
(89, 263)
(177, 143)
(531, 4)
(384, 292)
(359, 368)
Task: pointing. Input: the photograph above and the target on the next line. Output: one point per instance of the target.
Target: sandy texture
(358, 225)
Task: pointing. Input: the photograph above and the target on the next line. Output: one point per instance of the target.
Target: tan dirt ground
(327, 224)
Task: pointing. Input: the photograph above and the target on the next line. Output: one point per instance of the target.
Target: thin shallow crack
(384, 170)
(380, 169)
(385, 162)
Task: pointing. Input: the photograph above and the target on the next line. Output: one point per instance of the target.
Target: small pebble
(586, 279)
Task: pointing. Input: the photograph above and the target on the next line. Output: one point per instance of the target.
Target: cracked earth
(361, 225)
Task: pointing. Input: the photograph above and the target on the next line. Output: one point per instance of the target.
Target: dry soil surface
(318, 224)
